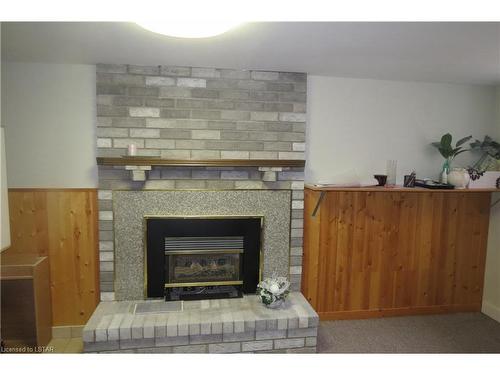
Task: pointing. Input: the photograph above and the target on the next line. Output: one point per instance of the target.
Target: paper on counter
(348, 178)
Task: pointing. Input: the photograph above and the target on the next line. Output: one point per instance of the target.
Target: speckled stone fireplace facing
(130, 208)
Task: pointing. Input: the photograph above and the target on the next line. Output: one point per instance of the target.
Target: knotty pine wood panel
(61, 224)
(28, 222)
(369, 254)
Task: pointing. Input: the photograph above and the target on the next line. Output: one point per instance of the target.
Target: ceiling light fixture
(189, 29)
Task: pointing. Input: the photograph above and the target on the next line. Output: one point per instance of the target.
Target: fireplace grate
(203, 243)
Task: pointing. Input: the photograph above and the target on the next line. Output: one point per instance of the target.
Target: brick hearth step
(208, 326)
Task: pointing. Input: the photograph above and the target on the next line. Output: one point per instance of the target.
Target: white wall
(360, 123)
(4, 202)
(49, 119)
(491, 296)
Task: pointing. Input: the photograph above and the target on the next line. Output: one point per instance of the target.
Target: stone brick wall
(199, 113)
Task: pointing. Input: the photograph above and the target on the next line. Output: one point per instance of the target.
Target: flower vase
(444, 171)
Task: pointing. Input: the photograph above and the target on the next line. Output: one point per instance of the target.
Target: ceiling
(436, 52)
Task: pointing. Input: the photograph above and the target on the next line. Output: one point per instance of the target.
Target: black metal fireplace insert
(190, 258)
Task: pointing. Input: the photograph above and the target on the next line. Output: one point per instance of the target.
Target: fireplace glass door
(201, 262)
(203, 268)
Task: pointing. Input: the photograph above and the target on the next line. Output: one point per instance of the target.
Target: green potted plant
(490, 154)
(449, 152)
(484, 173)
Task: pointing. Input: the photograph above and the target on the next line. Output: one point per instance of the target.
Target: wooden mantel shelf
(147, 161)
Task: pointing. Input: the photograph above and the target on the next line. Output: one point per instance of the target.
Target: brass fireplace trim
(145, 241)
(207, 283)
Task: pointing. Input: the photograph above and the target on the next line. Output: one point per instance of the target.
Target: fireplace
(202, 257)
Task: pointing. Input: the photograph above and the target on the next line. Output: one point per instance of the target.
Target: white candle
(132, 150)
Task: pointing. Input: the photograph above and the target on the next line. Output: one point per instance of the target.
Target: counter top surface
(397, 189)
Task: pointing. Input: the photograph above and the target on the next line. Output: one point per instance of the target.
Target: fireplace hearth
(190, 258)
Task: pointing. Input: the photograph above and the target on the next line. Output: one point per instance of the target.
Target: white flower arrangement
(273, 291)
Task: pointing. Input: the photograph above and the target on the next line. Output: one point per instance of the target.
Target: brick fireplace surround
(201, 113)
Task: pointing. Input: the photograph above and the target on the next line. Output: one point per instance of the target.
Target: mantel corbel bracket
(138, 171)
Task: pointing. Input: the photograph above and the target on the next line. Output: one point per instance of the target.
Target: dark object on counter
(430, 184)
(409, 180)
(381, 178)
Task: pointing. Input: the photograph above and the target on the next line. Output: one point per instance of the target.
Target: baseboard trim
(491, 310)
(401, 311)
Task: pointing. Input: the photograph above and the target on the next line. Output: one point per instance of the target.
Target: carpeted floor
(450, 333)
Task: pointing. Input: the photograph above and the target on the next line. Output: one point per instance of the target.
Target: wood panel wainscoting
(61, 224)
(377, 253)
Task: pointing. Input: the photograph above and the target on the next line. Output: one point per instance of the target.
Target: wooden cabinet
(26, 318)
(63, 225)
(383, 252)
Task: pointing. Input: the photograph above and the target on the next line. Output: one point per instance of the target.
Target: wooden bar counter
(373, 252)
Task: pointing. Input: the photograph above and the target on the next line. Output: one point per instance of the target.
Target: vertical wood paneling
(391, 253)
(28, 213)
(331, 220)
(61, 224)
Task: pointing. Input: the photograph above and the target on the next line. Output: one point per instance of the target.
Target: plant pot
(276, 304)
(458, 177)
(273, 301)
